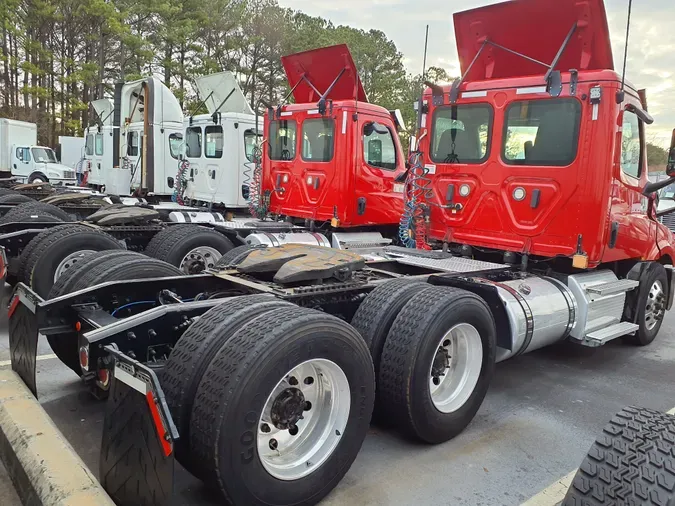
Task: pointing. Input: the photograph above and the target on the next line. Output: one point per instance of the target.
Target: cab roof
(536, 29)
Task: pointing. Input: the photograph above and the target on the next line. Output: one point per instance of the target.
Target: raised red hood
(321, 67)
(535, 28)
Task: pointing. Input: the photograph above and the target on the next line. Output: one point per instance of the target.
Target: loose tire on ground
(235, 256)
(632, 462)
(7, 191)
(435, 324)
(53, 246)
(226, 428)
(94, 269)
(192, 248)
(14, 198)
(193, 353)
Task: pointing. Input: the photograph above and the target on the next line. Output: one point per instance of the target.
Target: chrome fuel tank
(541, 311)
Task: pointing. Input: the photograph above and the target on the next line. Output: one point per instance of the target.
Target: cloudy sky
(651, 54)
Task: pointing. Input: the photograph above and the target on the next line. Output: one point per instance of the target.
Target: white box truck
(23, 159)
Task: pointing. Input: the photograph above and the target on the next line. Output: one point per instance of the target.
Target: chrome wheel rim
(654, 305)
(456, 367)
(199, 259)
(69, 262)
(303, 419)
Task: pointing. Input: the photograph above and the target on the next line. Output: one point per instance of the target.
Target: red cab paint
(540, 174)
(337, 164)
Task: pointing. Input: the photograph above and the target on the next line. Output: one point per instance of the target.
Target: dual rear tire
(273, 400)
(434, 353)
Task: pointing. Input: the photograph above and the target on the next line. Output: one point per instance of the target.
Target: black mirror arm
(640, 113)
(654, 187)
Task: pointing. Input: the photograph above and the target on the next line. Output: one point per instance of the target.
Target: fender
(39, 174)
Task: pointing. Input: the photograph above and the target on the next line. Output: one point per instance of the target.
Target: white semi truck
(205, 159)
(23, 159)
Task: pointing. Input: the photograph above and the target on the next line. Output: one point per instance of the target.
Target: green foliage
(58, 55)
(656, 155)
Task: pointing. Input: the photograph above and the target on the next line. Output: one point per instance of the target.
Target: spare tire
(14, 198)
(632, 462)
(60, 248)
(191, 248)
(7, 191)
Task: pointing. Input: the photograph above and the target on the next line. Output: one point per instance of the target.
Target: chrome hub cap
(456, 367)
(199, 259)
(303, 419)
(654, 308)
(69, 262)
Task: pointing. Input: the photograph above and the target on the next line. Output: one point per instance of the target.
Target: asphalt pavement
(540, 416)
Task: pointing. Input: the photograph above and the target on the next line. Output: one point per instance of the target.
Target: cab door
(631, 231)
(380, 159)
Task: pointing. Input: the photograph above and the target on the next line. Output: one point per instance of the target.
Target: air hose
(412, 226)
(256, 205)
(180, 184)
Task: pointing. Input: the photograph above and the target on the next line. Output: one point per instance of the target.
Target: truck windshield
(42, 155)
(461, 134)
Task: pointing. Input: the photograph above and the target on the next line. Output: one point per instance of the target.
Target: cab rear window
(282, 140)
(542, 132)
(461, 134)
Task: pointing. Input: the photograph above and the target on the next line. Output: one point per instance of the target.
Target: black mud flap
(137, 449)
(23, 334)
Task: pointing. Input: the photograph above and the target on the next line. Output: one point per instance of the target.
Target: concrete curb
(44, 468)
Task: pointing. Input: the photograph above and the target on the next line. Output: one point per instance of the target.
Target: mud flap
(137, 449)
(23, 335)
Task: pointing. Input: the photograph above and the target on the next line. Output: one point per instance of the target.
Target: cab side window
(23, 154)
(282, 140)
(214, 141)
(317, 139)
(98, 145)
(89, 145)
(132, 144)
(379, 148)
(193, 142)
(631, 148)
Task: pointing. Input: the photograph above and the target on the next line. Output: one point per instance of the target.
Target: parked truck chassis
(425, 317)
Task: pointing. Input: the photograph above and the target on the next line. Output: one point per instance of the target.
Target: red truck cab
(543, 163)
(331, 156)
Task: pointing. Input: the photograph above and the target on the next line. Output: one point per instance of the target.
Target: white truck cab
(21, 157)
(219, 145)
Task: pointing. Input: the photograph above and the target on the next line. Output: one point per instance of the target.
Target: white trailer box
(14, 133)
(21, 157)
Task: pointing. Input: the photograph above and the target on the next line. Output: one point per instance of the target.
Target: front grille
(68, 174)
(669, 220)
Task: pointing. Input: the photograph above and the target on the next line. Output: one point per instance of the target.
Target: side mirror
(654, 187)
(670, 167)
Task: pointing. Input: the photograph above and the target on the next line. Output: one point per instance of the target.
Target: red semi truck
(528, 201)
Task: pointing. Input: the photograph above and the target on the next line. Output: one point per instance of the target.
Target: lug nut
(308, 406)
(274, 444)
(292, 381)
(446, 343)
(293, 430)
(309, 380)
(436, 380)
(265, 428)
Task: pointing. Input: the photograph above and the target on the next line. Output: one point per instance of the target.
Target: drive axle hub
(288, 408)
